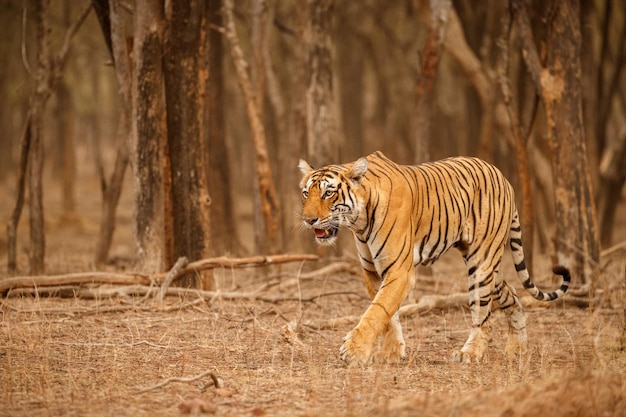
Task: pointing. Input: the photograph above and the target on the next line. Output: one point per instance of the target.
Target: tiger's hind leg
(506, 299)
(481, 285)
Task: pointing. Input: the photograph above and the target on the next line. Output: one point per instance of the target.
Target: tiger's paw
(469, 356)
(393, 350)
(355, 350)
(516, 345)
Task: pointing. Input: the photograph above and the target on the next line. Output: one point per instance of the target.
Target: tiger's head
(331, 198)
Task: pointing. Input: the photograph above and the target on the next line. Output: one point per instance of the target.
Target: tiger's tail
(515, 241)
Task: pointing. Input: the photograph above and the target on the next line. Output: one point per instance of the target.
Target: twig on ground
(310, 299)
(180, 263)
(615, 248)
(181, 379)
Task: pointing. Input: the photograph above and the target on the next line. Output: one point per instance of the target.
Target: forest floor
(277, 354)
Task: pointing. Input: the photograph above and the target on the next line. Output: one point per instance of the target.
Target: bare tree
(323, 136)
(114, 31)
(218, 176)
(186, 56)
(269, 201)
(559, 86)
(148, 138)
(49, 72)
(425, 92)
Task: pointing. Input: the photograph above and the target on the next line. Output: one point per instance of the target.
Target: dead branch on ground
(140, 283)
(181, 379)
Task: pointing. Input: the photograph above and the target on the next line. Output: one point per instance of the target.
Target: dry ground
(94, 357)
(107, 357)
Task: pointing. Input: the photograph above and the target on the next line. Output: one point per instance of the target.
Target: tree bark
(148, 137)
(425, 91)
(223, 232)
(559, 85)
(323, 136)
(269, 200)
(67, 152)
(186, 59)
(521, 154)
(42, 93)
(612, 179)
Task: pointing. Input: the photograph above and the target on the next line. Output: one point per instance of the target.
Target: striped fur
(403, 216)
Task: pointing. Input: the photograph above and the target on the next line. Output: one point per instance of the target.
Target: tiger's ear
(359, 168)
(304, 166)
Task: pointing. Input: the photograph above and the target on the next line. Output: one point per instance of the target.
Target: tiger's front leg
(381, 316)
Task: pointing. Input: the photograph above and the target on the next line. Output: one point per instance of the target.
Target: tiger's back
(453, 202)
(402, 216)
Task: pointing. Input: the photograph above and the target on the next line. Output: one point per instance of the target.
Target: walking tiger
(403, 216)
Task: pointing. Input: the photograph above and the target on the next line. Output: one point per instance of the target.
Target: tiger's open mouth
(322, 234)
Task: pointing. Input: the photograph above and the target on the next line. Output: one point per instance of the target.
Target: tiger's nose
(310, 220)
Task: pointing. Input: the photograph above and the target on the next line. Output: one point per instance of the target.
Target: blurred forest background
(205, 108)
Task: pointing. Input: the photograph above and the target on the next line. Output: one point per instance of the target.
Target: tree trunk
(296, 148)
(67, 152)
(223, 232)
(42, 92)
(323, 135)
(612, 179)
(269, 201)
(521, 154)
(425, 91)
(185, 90)
(115, 37)
(559, 86)
(577, 230)
(148, 138)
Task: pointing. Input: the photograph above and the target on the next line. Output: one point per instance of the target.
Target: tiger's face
(331, 198)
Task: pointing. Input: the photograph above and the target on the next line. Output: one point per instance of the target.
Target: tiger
(403, 216)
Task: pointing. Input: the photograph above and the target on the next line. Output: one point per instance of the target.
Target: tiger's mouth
(328, 233)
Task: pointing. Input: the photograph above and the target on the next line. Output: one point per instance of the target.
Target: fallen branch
(8, 285)
(96, 293)
(226, 262)
(181, 379)
(80, 278)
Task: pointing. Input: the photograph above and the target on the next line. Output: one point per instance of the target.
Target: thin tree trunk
(323, 135)
(425, 91)
(19, 201)
(612, 179)
(42, 93)
(49, 72)
(115, 37)
(521, 155)
(223, 232)
(269, 201)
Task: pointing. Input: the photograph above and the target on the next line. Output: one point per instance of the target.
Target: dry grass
(77, 357)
